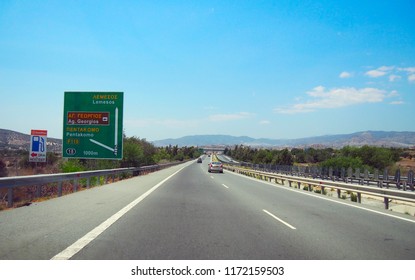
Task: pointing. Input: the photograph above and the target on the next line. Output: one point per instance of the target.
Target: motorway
(186, 213)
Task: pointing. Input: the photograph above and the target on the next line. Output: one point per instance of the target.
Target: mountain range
(371, 138)
(12, 140)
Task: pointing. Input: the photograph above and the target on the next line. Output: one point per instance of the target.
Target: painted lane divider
(278, 219)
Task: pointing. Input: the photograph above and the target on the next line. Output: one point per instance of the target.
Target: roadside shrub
(343, 162)
(72, 165)
(320, 191)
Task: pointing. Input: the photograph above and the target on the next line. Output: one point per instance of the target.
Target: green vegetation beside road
(354, 157)
(136, 153)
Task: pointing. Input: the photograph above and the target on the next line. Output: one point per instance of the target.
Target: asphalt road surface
(186, 213)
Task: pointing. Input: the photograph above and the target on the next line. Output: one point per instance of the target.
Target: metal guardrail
(362, 177)
(39, 180)
(314, 184)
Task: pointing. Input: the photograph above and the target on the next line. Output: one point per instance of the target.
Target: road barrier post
(10, 197)
(38, 191)
(60, 189)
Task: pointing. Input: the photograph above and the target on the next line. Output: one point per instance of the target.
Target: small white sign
(38, 149)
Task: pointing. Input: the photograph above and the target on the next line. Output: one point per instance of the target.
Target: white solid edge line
(324, 198)
(90, 236)
(278, 219)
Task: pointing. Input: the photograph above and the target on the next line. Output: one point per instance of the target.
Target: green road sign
(92, 125)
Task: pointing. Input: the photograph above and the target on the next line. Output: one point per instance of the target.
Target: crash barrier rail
(340, 174)
(321, 185)
(40, 180)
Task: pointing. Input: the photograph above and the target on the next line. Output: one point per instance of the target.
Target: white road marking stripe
(278, 219)
(225, 186)
(90, 236)
(212, 177)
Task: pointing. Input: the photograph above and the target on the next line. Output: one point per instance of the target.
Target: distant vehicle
(199, 160)
(215, 166)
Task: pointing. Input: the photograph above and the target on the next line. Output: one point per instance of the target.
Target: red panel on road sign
(88, 118)
(39, 132)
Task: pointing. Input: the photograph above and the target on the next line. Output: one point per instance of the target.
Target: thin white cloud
(386, 68)
(393, 78)
(393, 72)
(381, 71)
(410, 71)
(264, 122)
(334, 98)
(393, 93)
(345, 75)
(295, 109)
(407, 69)
(230, 117)
(170, 123)
(210, 108)
(375, 73)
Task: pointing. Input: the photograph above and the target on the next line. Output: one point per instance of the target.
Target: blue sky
(273, 69)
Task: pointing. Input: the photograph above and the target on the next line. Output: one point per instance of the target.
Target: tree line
(136, 152)
(356, 157)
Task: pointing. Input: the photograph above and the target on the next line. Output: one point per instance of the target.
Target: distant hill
(371, 138)
(205, 140)
(12, 140)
